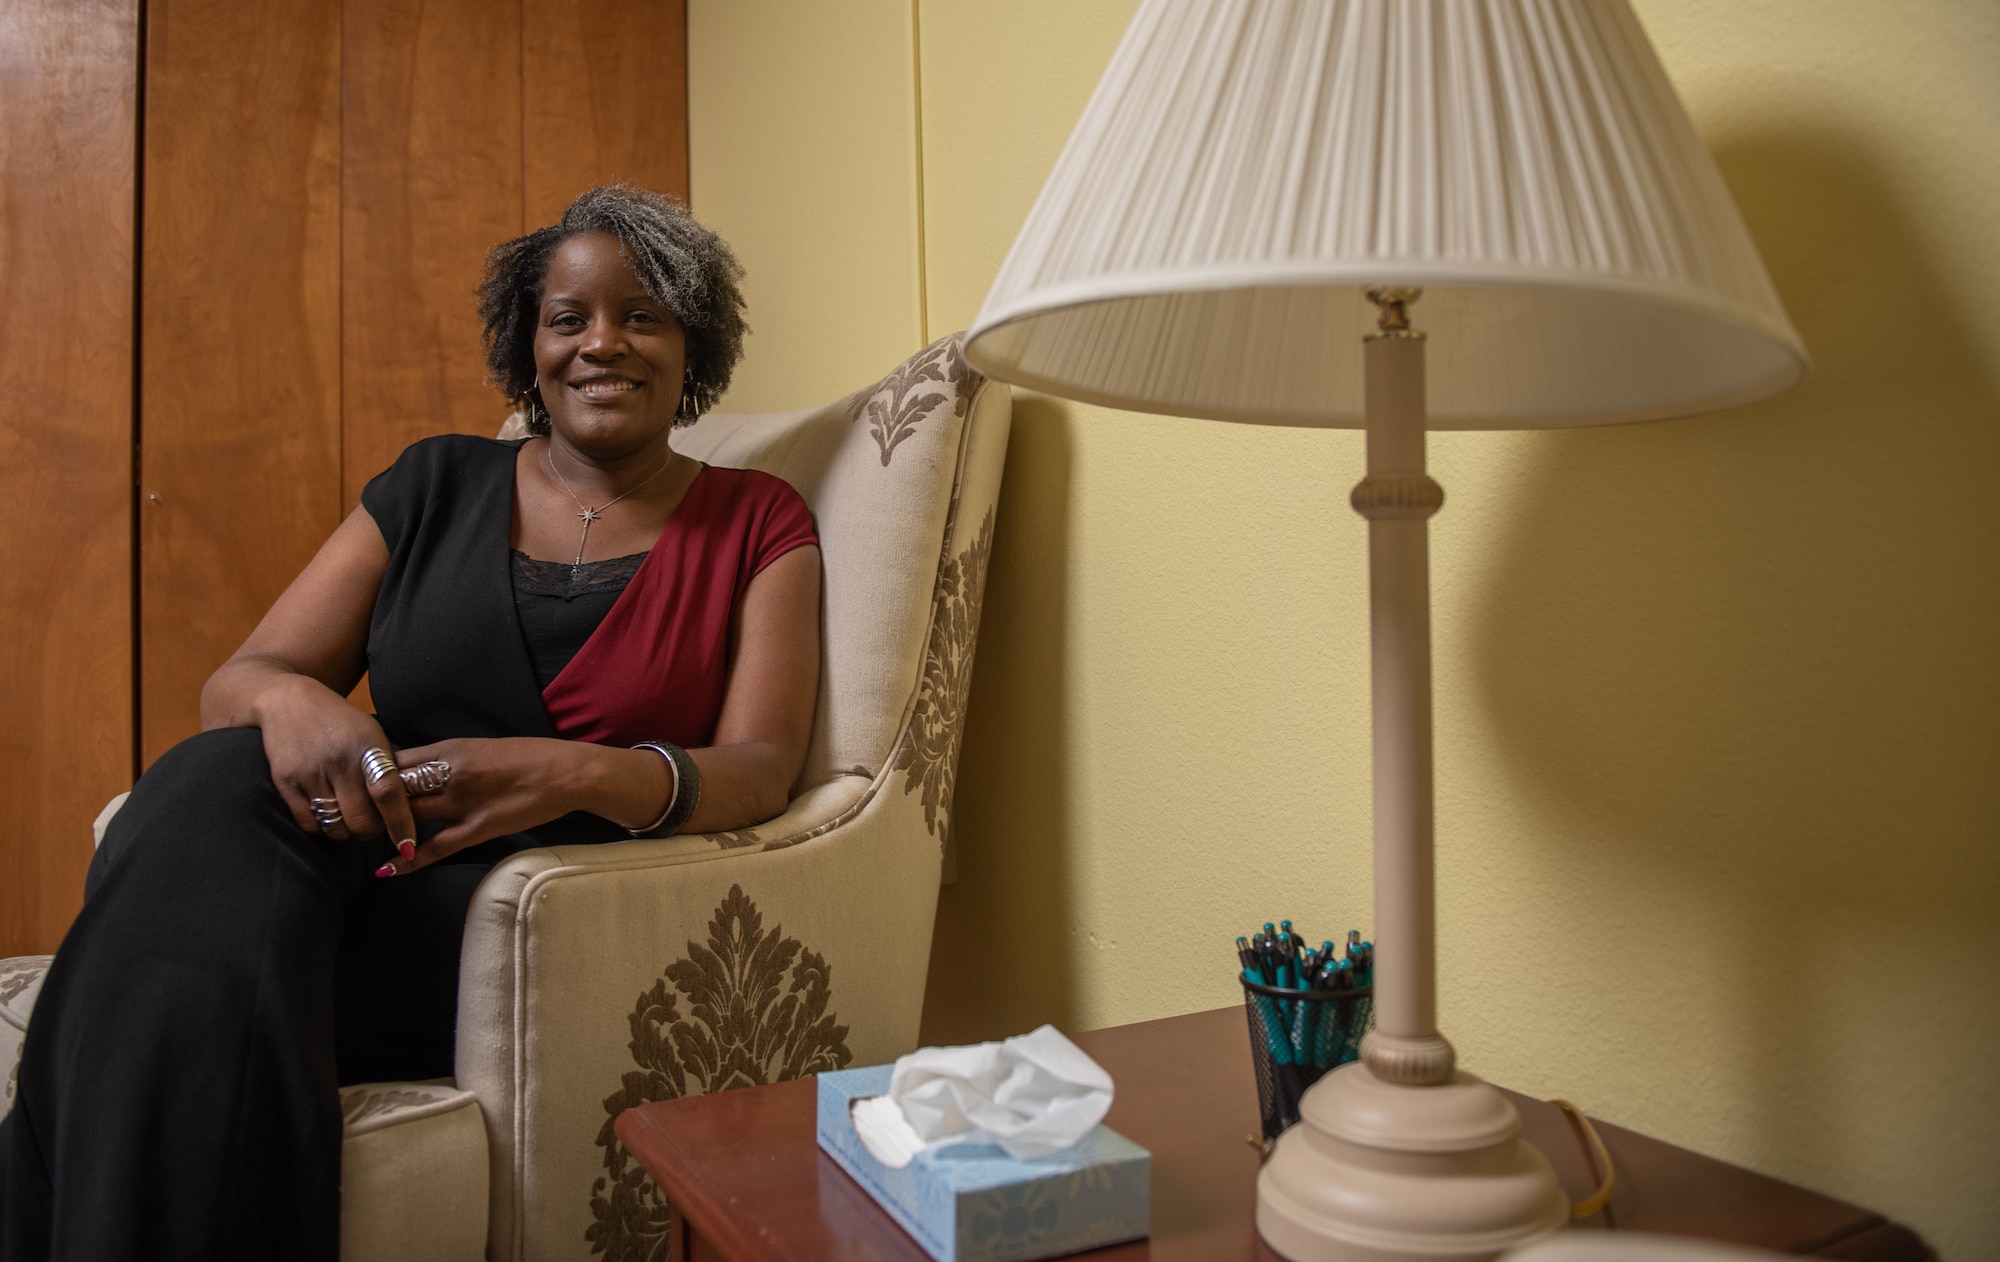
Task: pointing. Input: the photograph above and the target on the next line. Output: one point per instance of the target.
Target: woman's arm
(767, 711)
(317, 630)
(291, 679)
(503, 786)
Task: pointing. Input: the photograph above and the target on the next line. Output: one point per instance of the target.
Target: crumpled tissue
(1034, 1094)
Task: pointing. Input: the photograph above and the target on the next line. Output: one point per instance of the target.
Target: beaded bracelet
(685, 797)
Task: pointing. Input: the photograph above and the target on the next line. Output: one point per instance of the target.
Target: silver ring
(379, 763)
(327, 812)
(426, 777)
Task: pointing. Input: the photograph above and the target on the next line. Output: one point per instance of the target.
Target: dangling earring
(538, 412)
(690, 407)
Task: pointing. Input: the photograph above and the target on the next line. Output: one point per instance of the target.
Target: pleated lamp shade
(1247, 169)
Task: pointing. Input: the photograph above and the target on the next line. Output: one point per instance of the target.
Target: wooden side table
(751, 1184)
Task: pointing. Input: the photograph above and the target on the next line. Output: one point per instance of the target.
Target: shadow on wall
(1000, 956)
(1747, 664)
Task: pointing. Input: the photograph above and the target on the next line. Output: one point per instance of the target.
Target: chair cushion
(413, 1173)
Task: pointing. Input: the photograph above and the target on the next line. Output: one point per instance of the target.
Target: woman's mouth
(604, 387)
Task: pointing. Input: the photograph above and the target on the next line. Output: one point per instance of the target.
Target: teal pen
(1302, 1031)
(1282, 956)
(1256, 958)
(1274, 1029)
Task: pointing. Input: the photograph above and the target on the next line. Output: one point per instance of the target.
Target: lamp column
(1403, 1157)
(1398, 498)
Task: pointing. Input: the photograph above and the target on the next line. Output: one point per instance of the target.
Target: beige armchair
(599, 977)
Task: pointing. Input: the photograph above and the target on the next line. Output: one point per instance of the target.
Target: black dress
(178, 1084)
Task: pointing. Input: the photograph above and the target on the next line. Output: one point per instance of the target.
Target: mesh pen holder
(1295, 1037)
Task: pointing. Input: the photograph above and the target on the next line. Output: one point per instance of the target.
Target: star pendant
(589, 515)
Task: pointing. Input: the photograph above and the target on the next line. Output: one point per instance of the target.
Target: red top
(656, 667)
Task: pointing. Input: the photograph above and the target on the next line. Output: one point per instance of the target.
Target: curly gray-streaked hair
(685, 268)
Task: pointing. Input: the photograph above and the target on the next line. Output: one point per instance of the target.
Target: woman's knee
(207, 811)
(222, 763)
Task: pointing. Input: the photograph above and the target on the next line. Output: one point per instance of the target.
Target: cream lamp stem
(1398, 497)
(1403, 1158)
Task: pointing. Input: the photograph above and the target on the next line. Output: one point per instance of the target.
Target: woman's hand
(515, 783)
(291, 679)
(314, 741)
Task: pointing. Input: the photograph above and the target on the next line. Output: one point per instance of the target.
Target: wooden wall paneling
(430, 180)
(69, 75)
(605, 100)
(240, 341)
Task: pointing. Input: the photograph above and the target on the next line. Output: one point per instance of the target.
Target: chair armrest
(597, 977)
(810, 814)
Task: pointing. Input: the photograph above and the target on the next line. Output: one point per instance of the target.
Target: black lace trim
(559, 578)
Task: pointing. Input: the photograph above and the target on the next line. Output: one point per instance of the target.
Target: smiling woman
(570, 638)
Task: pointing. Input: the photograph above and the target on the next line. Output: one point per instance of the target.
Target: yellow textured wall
(802, 152)
(1718, 705)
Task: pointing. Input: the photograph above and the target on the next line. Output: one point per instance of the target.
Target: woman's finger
(299, 803)
(357, 808)
(447, 842)
(325, 813)
(424, 776)
(433, 795)
(423, 753)
(385, 789)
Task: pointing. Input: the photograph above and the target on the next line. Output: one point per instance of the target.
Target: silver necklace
(586, 512)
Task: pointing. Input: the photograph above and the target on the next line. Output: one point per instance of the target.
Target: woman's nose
(604, 339)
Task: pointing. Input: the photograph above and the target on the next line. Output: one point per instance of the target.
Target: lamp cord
(1598, 1158)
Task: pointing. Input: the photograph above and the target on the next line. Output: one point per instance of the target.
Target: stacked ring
(327, 812)
(379, 763)
(426, 778)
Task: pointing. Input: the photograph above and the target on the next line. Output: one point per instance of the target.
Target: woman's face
(611, 359)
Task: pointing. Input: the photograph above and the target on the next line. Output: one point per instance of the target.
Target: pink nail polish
(387, 869)
(408, 849)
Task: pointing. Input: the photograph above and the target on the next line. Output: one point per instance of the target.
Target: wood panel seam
(134, 450)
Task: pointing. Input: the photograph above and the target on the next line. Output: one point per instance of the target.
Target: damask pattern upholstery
(597, 977)
(20, 982)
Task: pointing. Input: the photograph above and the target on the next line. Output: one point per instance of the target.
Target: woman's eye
(645, 317)
(566, 321)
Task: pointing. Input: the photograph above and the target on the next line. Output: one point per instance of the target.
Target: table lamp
(1267, 211)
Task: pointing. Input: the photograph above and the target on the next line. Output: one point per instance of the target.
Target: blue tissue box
(973, 1203)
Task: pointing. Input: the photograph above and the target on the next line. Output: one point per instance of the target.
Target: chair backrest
(890, 473)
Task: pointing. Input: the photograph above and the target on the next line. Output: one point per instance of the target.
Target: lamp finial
(1393, 307)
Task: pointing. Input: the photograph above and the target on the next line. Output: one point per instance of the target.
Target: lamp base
(1378, 1172)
